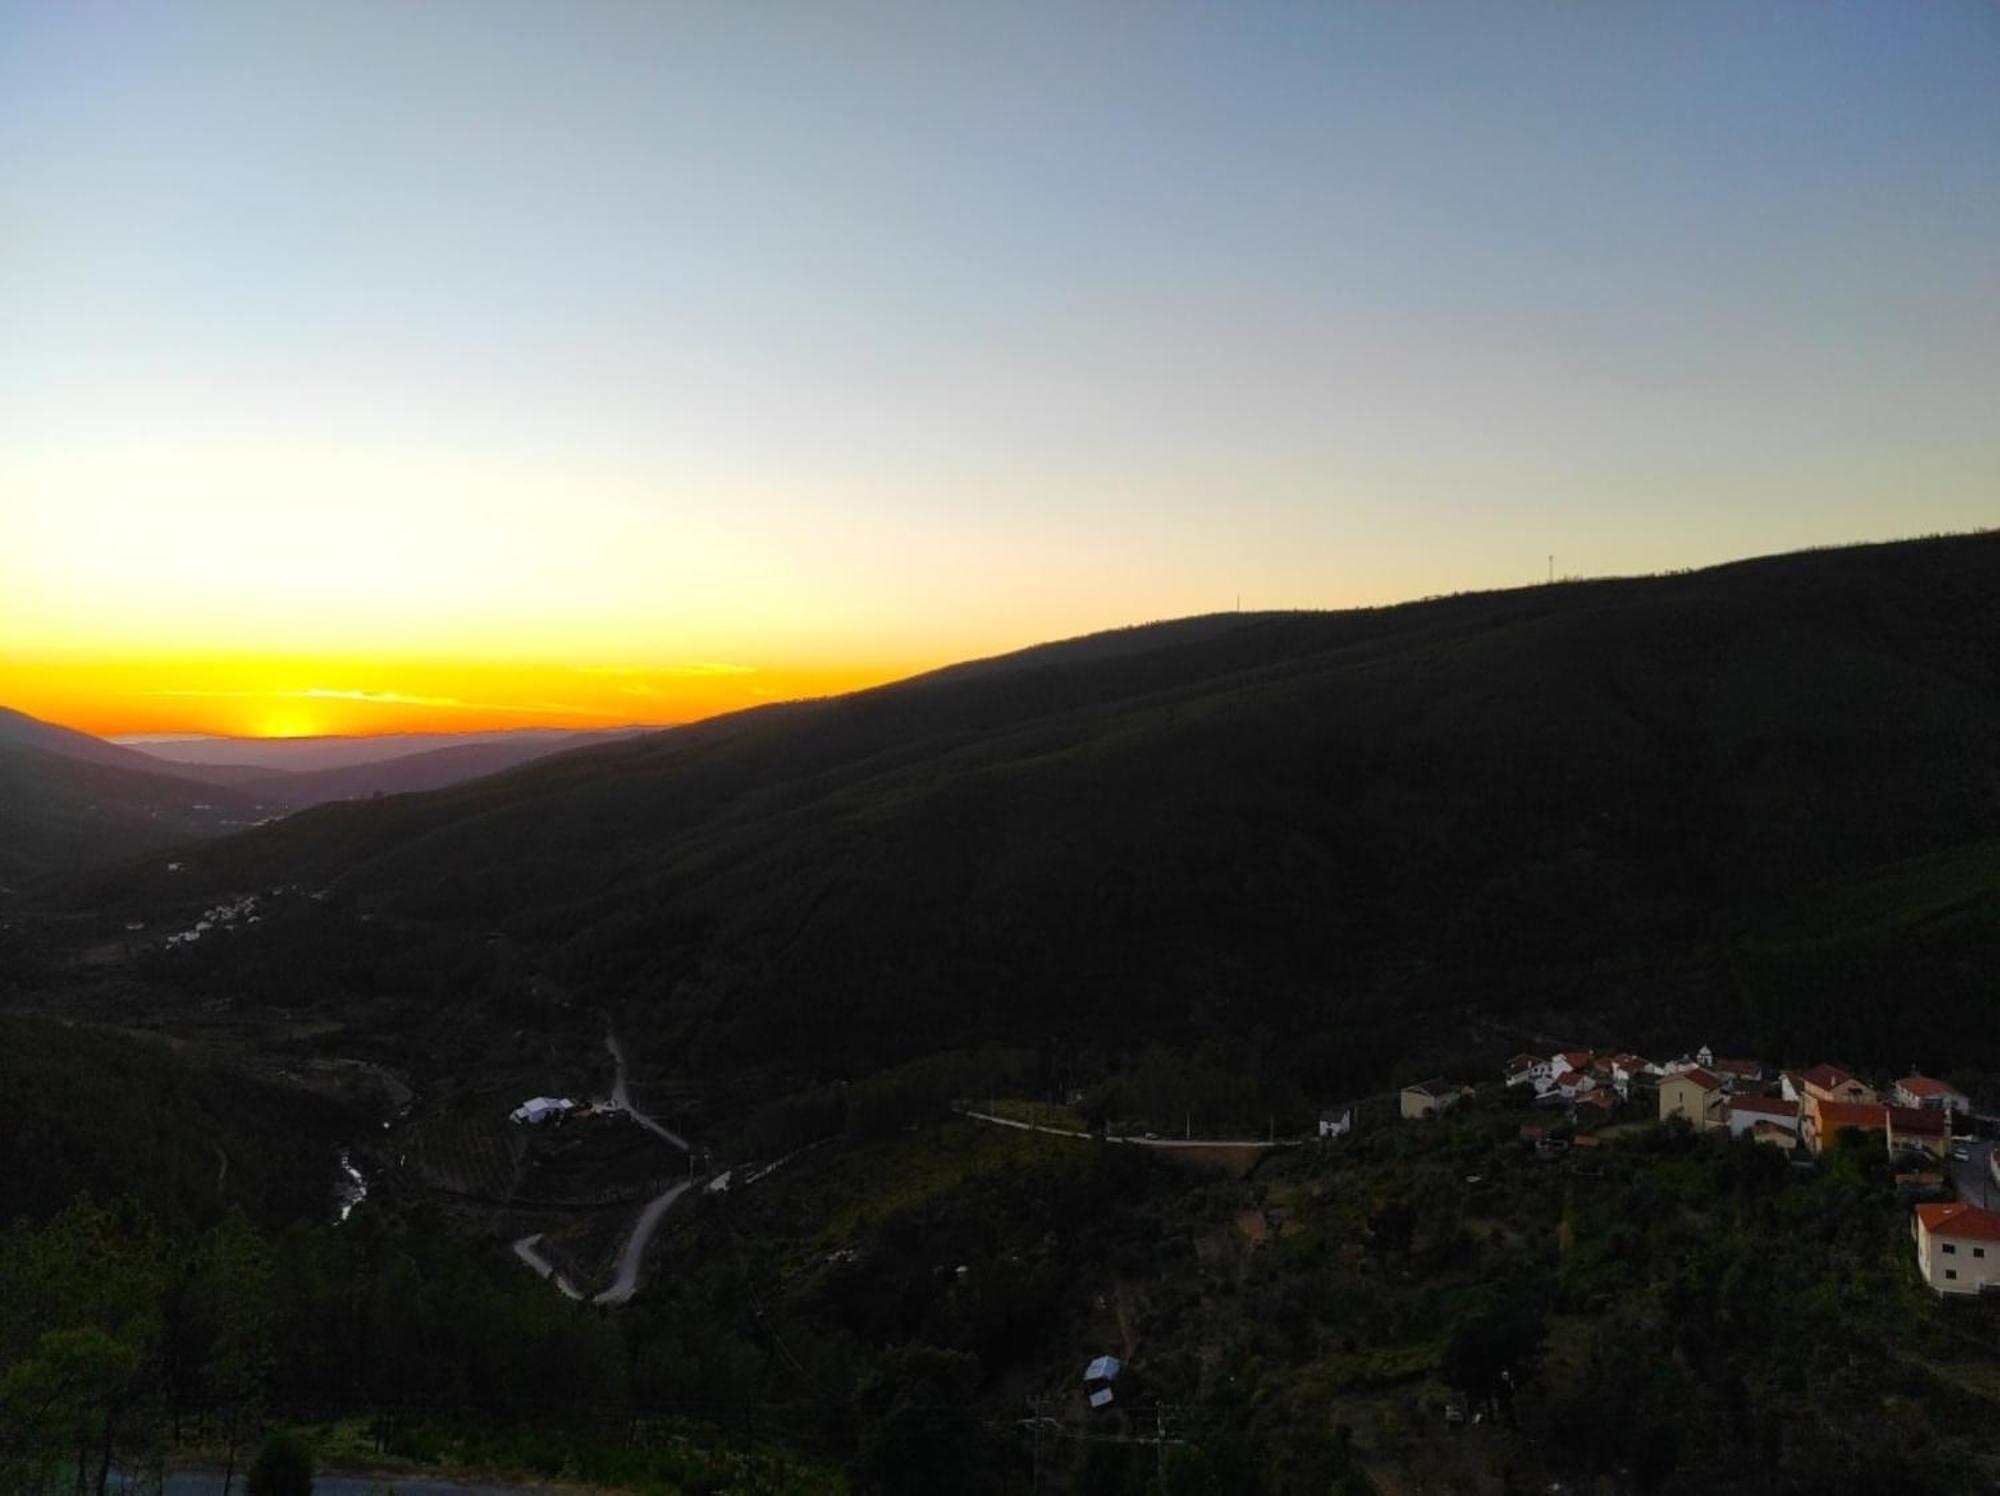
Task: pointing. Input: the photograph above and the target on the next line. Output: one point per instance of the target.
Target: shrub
(284, 1467)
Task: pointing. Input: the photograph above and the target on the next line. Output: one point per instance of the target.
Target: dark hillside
(60, 812)
(19, 730)
(409, 773)
(1309, 827)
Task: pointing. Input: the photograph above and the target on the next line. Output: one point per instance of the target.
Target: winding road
(626, 1283)
(1095, 1137)
(631, 1256)
(623, 1098)
(528, 1250)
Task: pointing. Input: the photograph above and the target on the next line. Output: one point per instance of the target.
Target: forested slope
(1574, 797)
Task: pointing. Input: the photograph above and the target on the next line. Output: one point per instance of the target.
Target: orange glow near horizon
(306, 697)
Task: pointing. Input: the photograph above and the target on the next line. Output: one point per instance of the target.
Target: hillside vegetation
(1303, 830)
(59, 813)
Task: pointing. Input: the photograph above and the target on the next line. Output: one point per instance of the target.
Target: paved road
(1068, 1132)
(626, 1283)
(632, 1255)
(528, 1249)
(209, 1483)
(1971, 1176)
(624, 1098)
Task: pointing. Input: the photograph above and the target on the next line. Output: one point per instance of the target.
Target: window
(1952, 1248)
(1951, 1272)
(1979, 1251)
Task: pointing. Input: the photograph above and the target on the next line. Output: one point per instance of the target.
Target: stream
(353, 1187)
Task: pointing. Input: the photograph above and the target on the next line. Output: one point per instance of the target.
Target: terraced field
(482, 1160)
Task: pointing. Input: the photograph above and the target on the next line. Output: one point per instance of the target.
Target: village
(1805, 1113)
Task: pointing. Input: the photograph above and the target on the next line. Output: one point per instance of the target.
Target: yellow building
(1427, 1098)
(1695, 1095)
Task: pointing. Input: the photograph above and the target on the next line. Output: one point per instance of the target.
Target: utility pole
(1552, 570)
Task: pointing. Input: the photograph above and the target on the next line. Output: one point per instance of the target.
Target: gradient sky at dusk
(367, 365)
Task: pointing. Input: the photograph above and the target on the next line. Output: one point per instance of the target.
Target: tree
(236, 1275)
(58, 1402)
(1492, 1354)
(284, 1467)
(919, 1430)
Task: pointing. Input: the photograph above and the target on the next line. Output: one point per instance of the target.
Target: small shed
(540, 1109)
(1103, 1369)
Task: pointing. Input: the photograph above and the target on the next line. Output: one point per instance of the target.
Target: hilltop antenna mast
(1552, 571)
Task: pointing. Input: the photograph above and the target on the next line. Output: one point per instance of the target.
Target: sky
(371, 366)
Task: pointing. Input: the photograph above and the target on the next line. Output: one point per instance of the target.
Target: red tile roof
(1834, 1115)
(1919, 1119)
(1924, 1085)
(1699, 1076)
(1764, 1106)
(1748, 1068)
(1826, 1077)
(1956, 1218)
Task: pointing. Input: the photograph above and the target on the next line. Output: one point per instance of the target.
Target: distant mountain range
(210, 754)
(1758, 797)
(68, 799)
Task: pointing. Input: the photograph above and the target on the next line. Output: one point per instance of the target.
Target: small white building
(1336, 1124)
(541, 1109)
(1745, 1112)
(1528, 1070)
(1958, 1247)
(1924, 1090)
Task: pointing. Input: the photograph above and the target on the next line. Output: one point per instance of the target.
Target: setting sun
(287, 722)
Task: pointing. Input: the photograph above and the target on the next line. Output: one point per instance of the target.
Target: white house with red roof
(1958, 1247)
(1577, 1060)
(1745, 1112)
(1925, 1090)
(1530, 1070)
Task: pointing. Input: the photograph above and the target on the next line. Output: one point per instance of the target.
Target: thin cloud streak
(381, 698)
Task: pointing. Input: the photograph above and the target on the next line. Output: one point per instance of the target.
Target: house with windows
(1919, 1129)
(1831, 1083)
(1528, 1070)
(1695, 1095)
(1747, 1112)
(1924, 1090)
(1428, 1098)
(1958, 1246)
(1825, 1121)
(1737, 1075)
(1775, 1136)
